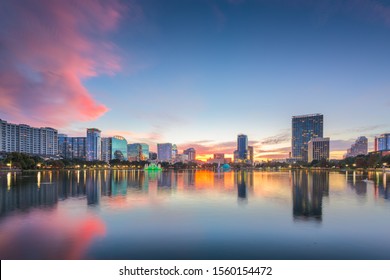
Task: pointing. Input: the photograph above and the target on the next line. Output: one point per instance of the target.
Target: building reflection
(241, 179)
(381, 186)
(23, 193)
(309, 188)
(93, 188)
(165, 180)
(355, 181)
(189, 179)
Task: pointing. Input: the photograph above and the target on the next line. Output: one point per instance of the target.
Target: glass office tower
(118, 148)
(304, 128)
(93, 149)
(164, 152)
(242, 147)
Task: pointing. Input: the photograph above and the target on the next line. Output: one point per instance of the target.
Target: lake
(126, 214)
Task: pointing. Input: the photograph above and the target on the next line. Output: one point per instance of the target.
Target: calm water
(194, 215)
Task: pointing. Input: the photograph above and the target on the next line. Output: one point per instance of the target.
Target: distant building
(26, 139)
(242, 147)
(106, 149)
(250, 154)
(134, 152)
(191, 154)
(65, 146)
(94, 148)
(305, 128)
(114, 148)
(382, 142)
(181, 158)
(217, 158)
(174, 151)
(360, 147)
(144, 151)
(164, 152)
(79, 148)
(318, 149)
(235, 156)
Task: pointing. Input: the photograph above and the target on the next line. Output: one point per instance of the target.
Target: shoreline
(386, 170)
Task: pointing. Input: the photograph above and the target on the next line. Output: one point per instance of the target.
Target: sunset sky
(197, 73)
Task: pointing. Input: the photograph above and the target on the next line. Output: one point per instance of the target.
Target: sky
(198, 73)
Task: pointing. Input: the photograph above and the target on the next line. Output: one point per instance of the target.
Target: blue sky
(197, 73)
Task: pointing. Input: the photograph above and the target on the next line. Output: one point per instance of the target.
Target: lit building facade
(106, 149)
(144, 151)
(26, 139)
(191, 154)
(360, 147)
(94, 142)
(318, 149)
(164, 152)
(65, 146)
(79, 147)
(242, 147)
(134, 152)
(382, 142)
(305, 128)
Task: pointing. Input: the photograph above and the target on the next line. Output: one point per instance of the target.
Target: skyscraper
(164, 152)
(318, 149)
(304, 128)
(360, 147)
(106, 149)
(64, 146)
(79, 147)
(144, 151)
(242, 147)
(134, 151)
(93, 149)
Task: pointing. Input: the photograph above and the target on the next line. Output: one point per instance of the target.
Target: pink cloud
(47, 49)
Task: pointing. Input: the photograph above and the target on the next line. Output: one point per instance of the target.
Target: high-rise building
(318, 149)
(26, 139)
(191, 154)
(106, 148)
(174, 151)
(94, 148)
(65, 146)
(134, 152)
(235, 156)
(250, 154)
(304, 128)
(164, 152)
(144, 151)
(382, 142)
(79, 147)
(242, 147)
(360, 147)
(118, 148)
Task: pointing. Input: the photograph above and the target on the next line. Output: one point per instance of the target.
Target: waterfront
(122, 214)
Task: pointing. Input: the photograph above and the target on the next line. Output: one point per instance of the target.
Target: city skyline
(306, 129)
(179, 73)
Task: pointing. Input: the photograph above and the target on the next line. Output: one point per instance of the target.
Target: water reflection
(308, 191)
(194, 212)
